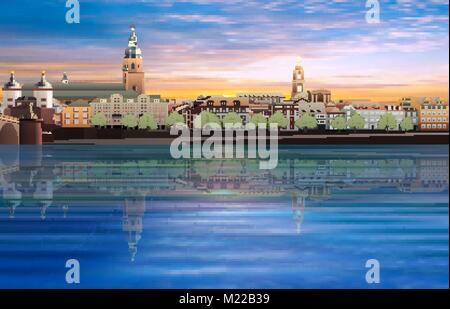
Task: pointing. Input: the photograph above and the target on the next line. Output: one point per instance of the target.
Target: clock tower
(133, 73)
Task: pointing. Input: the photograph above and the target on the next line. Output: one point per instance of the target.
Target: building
(298, 82)
(12, 90)
(332, 111)
(116, 107)
(22, 107)
(370, 112)
(289, 110)
(319, 96)
(221, 106)
(396, 111)
(433, 116)
(64, 92)
(314, 109)
(411, 111)
(133, 70)
(262, 97)
(76, 115)
(43, 92)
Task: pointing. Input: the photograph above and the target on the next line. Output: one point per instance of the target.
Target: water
(134, 218)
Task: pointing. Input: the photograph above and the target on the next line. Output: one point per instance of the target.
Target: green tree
(99, 120)
(147, 121)
(259, 120)
(407, 124)
(387, 122)
(130, 121)
(306, 121)
(339, 123)
(206, 118)
(356, 121)
(175, 118)
(279, 119)
(232, 119)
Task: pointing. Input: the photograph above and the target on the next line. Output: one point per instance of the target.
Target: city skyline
(205, 47)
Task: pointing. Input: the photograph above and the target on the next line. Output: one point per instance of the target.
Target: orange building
(76, 115)
(433, 116)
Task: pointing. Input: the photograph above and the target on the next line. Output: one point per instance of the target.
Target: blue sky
(209, 46)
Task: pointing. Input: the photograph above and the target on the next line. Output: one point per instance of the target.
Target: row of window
(433, 120)
(68, 115)
(434, 126)
(76, 122)
(429, 113)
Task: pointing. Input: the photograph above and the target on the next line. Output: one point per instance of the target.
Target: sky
(195, 47)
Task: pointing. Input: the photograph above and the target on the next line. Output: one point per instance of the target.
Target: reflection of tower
(65, 209)
(44, 193)
(134, 211)
(298, 81)
(298, 208)
(133, 73)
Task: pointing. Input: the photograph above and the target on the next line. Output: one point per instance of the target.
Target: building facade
(76, 115)
(116, 107)
(433, 116)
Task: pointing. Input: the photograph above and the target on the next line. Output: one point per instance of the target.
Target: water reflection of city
(38, 178)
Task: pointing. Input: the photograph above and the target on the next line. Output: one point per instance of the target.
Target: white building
(116, 107)
(314, 109)
(43, 92)
(12, 90)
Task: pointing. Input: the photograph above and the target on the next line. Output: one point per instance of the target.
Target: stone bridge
(9, 130)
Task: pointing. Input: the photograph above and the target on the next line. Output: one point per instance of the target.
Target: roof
(84, 90)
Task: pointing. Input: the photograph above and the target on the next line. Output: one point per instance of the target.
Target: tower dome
(12, 83)
(133, 50)
(43, 83)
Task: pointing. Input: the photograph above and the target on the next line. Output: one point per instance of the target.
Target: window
(67, 121)
(76, 121)
(85, 115)
(85, 121)
(67, 115)
(43, 100)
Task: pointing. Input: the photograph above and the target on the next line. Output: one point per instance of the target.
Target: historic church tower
(298, 81)
(133, 73)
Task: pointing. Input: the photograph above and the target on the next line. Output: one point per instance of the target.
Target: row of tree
(305, 122)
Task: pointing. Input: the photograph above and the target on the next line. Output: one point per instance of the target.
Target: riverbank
(164, 138)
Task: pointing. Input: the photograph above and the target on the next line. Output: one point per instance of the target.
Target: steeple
(298, 81)
(133, 50)
(132, 65)
(65, 79)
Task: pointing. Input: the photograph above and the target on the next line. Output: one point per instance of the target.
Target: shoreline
(295, 139)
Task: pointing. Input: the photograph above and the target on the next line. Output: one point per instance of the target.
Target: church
(65, 92)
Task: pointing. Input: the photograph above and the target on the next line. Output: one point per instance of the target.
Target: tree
(232, 119)
(306, 121)
(356, 121)
(279, 119)
(407, 124)
(147, 121)
(259, 120)
(339, 123)
(130, 121)
(206, 118)
(99, 120)
(387, 122)
(175, 118)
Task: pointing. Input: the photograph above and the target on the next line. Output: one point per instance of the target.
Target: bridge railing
(9, 118)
